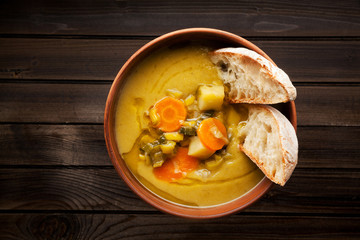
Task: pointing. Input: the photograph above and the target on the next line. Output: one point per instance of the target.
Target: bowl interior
(210, 37)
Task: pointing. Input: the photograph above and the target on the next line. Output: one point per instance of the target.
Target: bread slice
(270, 141)
(251, 77)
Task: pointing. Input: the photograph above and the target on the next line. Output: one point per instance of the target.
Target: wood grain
(85, 103)
(56, 103)
(336, 191)
(55, 58)
(160, 226)
(141, 17)
(66, 189)
(328, 105)
(53, 145)
(57, 61)
(48, 59)
(84, 145)
(329, 147)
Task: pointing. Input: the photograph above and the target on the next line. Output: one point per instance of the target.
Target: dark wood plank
(45, 102)
(332, 105)
(79, 145)
(160, 226)
(75, 59)
(315, 191)
(316, 61)
(83, 59)
(329, 191)
(85, 103)
(84, 145)
(66, 189)
(141, 17)
(329, 147)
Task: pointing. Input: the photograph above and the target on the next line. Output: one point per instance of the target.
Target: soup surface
(179, 72)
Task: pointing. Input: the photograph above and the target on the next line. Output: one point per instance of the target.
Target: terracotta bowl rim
(158, 202)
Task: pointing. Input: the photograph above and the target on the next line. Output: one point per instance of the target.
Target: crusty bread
(251, 77)
(270, 141)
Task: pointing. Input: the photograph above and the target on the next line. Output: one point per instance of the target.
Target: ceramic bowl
(215, 38)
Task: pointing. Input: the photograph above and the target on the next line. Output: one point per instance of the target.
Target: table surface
(57, 62)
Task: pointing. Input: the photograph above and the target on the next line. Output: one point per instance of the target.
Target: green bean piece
(162, 139)
(204, 115)
(147, 148)
(188, 131)
(155, 149)
(207, 114)
(157, 159)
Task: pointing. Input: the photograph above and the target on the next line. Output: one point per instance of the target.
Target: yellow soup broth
(181, 70)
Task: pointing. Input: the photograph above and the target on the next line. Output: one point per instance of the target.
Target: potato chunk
(197, 149)
(210, 97)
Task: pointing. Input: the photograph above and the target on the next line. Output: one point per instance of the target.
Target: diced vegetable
(189, 123)
(147, 159)
(154, 117)
(162, 139)
(197, 149)
(189, 100)
(154, 132)
(177, 167)
(174, 136)
(147, 147)
(212, 133)
(174, 93)
(151, 152)
(207, 114)
(142, 157)
(146, 139)
(203, 116)
(168, 147)
(156, 147)
(172, 112)
(188, 131)
(157, 159)
(183, 141)
(210, 97)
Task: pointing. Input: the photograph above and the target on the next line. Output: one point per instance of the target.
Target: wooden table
(57, 62)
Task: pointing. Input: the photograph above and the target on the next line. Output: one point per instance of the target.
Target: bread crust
(271, 73)
(288, 143)
(255, 80)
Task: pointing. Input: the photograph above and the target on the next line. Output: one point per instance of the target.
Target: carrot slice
(172, 112)
(177, 167)
(212, 134)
